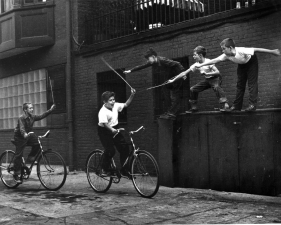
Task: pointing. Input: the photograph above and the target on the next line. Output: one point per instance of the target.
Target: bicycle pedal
(116, 180)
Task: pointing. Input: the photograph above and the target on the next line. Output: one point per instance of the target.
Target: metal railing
(136, 16)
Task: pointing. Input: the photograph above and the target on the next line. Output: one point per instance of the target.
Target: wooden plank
(223, 153)
(277, 152)
(165, 152)
(193, 169)
(256, 162)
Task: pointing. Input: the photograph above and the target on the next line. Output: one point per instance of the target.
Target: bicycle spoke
(7, 170)
(93, 169)
(145, 174)
(51, 170)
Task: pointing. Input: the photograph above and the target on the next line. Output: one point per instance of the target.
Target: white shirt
(203, 69)
(242, 56)
(110, 116)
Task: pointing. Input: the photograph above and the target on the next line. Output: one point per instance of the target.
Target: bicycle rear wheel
(99, 183)
(145, 174)
(51, 170)
(7, 169)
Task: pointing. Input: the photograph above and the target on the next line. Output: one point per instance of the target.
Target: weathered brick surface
(261, 32)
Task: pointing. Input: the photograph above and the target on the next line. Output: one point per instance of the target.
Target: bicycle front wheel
(145, 174)
(51, 170)
(98, 182)
(7, 169)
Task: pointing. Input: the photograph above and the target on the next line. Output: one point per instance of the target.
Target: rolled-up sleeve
(42, 116)
(21, 126)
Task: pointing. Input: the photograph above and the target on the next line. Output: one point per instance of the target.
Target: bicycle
(144, 171)
(51, 168)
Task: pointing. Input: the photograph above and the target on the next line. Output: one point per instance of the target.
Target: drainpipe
(68, 83)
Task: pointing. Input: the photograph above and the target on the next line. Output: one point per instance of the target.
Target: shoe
(166, 116)
(171, 114)
(107, 173)
(250, 108)
(225, 107)
(192, 110)
(234, 109)
(125, 173)
(193, 106)
(17, 179)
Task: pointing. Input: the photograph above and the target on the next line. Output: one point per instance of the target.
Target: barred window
(18, 89)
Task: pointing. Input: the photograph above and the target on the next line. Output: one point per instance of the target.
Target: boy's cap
(149, 53)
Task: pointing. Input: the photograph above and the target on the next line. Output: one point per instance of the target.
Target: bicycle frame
(25, 169)
(134, 152)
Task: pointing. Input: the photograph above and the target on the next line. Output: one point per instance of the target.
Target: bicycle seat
(13, 141)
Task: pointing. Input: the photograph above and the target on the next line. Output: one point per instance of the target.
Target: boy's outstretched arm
(264, 50)
(128, 102)
(212, 61)
(182, 74)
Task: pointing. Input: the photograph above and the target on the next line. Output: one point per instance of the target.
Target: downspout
(68, 83)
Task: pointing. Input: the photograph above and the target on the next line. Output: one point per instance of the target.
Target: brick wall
(262, 32)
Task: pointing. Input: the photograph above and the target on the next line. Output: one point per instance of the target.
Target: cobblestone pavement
(77, 203)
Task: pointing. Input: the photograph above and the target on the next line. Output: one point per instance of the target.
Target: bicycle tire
(145, 174)
(93, 170)
(7, 170)
(51, 170)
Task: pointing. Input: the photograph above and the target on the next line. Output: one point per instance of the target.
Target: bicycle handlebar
(130, 132)
(45, 135)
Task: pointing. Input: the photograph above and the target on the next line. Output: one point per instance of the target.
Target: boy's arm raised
(128, 102)
(264, 50)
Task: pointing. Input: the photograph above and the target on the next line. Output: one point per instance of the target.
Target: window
(18, 89)
(7, 5)
(109, 81)
(57, 89)
(161, 94)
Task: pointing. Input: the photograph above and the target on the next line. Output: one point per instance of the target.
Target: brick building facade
(258, 26)
(250, 27)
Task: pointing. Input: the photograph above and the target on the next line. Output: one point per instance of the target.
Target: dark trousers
(175, 98)
(214, 83)
(109, 143)
(32, 140)
(247, 72)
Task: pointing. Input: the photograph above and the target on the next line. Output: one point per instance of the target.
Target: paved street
(77, 203)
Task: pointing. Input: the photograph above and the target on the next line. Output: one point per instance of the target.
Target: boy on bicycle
(24, 136)
(107, 128)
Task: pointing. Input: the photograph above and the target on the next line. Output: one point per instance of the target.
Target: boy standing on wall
(174, 68)
(212, 79)
(247, 70)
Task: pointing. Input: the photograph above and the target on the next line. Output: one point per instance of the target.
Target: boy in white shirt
(247, 70)
(212, 79)
(107, 128)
